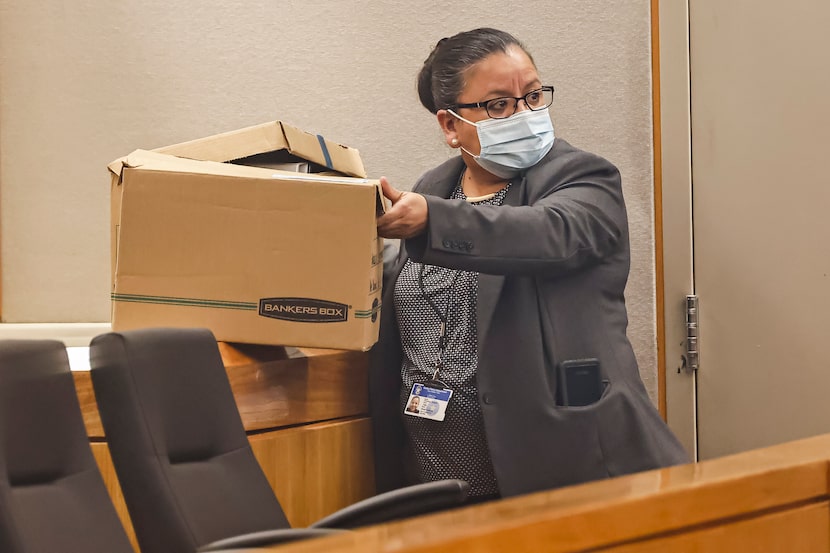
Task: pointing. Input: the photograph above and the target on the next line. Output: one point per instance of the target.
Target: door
(760, 206)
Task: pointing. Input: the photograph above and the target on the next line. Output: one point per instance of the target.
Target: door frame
(674, 252)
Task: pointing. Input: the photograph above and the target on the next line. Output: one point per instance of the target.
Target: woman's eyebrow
(499, 93)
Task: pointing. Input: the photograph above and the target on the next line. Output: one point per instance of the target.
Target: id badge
(428, 401)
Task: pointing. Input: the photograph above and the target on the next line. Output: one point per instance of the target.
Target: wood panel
(102, 456)
(657, 146)
(275, 386)
(89, 409)
(777, 490)
(804, 529)
(314, 470)
(317, 469)
(308, 385)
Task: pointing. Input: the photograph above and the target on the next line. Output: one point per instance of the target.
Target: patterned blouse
(424, 294)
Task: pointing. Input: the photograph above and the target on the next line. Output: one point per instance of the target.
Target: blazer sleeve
(573, 215)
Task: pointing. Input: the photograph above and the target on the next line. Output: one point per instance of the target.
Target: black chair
(189, 476)
(52, 496)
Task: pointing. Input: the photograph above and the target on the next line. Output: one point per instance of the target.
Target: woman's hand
(408, 215)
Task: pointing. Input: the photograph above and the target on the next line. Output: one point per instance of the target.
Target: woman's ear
(448, 123)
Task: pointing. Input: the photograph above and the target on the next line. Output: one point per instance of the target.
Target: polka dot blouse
(424, 294)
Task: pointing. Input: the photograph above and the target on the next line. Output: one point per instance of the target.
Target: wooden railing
(305, 411)
(768, 500)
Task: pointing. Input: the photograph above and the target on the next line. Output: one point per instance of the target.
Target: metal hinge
(692, 351)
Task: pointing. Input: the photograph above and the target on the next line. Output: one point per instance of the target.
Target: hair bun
(441, 79)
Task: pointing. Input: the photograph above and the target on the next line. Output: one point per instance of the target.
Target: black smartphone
(579, 382)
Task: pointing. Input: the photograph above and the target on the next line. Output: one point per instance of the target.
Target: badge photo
(427, 402)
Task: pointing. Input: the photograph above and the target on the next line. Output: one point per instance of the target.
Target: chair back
(52, 496)
(187, 471)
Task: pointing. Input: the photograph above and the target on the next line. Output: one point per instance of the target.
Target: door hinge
(692, 351)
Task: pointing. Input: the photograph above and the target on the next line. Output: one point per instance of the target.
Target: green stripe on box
(366, 314)
(185, 302)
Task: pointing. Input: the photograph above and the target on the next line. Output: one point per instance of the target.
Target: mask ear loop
(455, 141)
(461, 118)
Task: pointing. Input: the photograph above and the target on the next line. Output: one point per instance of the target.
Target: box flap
(324, 152)
(232, 145)
(155, 161)
(116, 167)
(270, 137)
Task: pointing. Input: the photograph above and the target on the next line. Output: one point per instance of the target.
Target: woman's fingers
(389, 191)
(406, 218)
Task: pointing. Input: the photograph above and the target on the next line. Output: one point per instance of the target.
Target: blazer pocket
(592, 407)
(579, 453)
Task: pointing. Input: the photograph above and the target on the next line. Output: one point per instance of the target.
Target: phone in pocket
(578, 382)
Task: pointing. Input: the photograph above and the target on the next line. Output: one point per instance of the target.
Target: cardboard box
(257, 255)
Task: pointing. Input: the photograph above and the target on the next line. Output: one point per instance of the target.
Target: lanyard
(442, 318)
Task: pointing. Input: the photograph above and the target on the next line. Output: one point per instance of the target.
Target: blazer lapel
(443, 181)
(489, 286)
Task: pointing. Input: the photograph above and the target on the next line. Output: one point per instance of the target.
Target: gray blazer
(553, 263)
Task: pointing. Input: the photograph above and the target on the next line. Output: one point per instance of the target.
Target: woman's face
(500, 74)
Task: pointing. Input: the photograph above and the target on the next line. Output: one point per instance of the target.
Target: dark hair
(441, 79)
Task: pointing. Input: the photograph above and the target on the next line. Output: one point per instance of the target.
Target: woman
(510, 278)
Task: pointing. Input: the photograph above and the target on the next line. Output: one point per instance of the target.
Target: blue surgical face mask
(513, 144)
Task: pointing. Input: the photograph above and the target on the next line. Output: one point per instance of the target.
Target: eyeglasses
(501, 108)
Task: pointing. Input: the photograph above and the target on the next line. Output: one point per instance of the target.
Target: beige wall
(82, 83)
